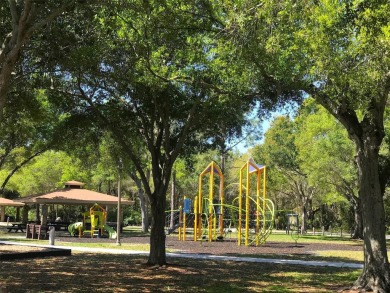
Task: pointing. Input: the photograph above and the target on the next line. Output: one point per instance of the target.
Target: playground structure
(204, 208)
(251, 214)
(94, 223)
(292, 227)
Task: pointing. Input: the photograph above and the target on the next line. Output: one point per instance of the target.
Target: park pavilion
(72, 194)
(4, 202)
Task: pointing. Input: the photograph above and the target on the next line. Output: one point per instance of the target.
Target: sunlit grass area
(310, 238)
(353, 256)
(124, 246)
(326, 255)
(134, 231)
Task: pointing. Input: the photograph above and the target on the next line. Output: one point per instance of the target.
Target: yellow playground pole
(184, 226)
(196, 218)
(258, 207)
(240, 208)
(180, 222)
(222, 201)
(211, 196)
(200, 208)
(247, 204)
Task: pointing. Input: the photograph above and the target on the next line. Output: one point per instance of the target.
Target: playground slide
(173, 229)
(111, 231)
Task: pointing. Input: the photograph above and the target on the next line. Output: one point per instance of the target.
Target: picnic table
(16, 227)
(59, 225)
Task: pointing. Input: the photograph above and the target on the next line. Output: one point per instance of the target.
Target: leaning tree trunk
(142, 202)
(157, 253)
(144, 211)
(375, 275)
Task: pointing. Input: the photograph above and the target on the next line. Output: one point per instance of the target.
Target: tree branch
(18, 167)
(342, 112)
(120, 139)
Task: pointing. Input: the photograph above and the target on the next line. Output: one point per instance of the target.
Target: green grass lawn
(309, 238)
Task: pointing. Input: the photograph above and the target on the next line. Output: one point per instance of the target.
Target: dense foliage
(149, 82)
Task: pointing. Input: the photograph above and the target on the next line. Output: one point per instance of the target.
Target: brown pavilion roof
(10, 203)
(74, 195)
(74, 183)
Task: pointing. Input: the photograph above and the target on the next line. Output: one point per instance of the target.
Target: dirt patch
(13, 252)
(226, 247)
(277, 248)
(7, 248)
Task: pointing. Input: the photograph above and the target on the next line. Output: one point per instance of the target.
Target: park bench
(33, 230)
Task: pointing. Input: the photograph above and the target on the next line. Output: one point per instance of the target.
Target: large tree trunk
(157, 236)
(357, 232)
(376, 274)
(367, 134)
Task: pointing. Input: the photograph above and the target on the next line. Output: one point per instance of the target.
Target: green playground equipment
(94, 224)
(111, 231)
(76, 229)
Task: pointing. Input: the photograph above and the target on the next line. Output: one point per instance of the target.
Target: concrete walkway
(203, 256)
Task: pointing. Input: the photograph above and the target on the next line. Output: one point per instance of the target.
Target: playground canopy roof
(74, 194)
(253, 167)
(10, 203)
(212, 166)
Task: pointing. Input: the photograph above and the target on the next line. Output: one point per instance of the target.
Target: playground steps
(95, 232)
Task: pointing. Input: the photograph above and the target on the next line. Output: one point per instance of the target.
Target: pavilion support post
(2, 214)
(37, 212)
(44, 215)
(49, 210)
(17, 219)
(26, 208)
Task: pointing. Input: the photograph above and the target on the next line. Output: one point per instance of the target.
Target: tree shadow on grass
(118, 273)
